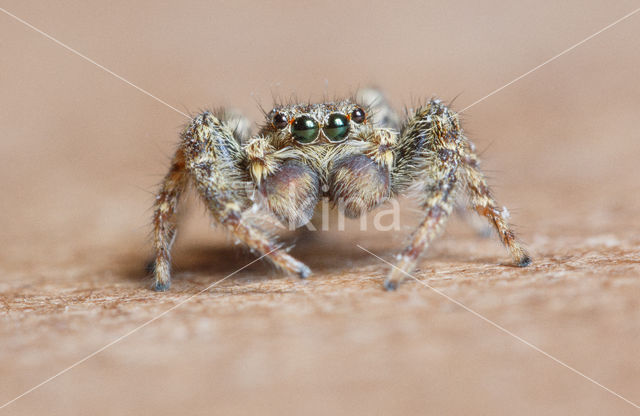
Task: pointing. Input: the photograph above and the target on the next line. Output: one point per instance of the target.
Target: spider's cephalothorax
(353, 151)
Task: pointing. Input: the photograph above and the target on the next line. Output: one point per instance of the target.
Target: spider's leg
(164, 219)
(478, 224)
(438, 160)
(379, 112)
(427, 160)
(485, 205)
(217, 164)
(237, 122)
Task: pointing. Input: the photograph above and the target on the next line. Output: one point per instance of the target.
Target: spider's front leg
(435, 159)
(213, 159)
(380, 114)
(164, 220)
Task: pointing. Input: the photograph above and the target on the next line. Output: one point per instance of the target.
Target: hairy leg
(216, 164)
(435, 159)
(428, 158)
(484, 204)
(477, 223)
(164, 220)
(380, 112)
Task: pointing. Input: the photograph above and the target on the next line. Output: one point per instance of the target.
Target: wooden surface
(81, 153)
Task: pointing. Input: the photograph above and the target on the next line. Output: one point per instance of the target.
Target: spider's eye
(337, 127)
(305, 129)
(279, 121)
(358, 115)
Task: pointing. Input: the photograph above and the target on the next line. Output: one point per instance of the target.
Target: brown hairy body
(352, 151)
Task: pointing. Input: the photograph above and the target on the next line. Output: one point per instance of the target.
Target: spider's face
(306, 150)
(316, 123)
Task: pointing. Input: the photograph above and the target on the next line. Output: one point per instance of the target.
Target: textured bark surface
(81, 151)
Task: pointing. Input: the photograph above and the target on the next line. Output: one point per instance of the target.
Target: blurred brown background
(81, 152)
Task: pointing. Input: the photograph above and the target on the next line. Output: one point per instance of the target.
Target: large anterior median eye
(337, 127)
(305, 129)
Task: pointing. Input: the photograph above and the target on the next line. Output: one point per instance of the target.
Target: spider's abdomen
(292, 193)
(357, 184)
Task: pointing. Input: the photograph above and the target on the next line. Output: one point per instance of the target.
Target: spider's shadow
(200, 264)
(221, 260)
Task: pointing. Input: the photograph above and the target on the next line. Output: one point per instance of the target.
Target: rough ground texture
(80, 152)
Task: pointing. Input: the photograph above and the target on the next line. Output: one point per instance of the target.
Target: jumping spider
(355, 152)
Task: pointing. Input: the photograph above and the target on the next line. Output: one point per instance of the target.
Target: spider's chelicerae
(355, 152)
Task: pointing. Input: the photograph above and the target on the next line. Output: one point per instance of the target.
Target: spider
(354, 151)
